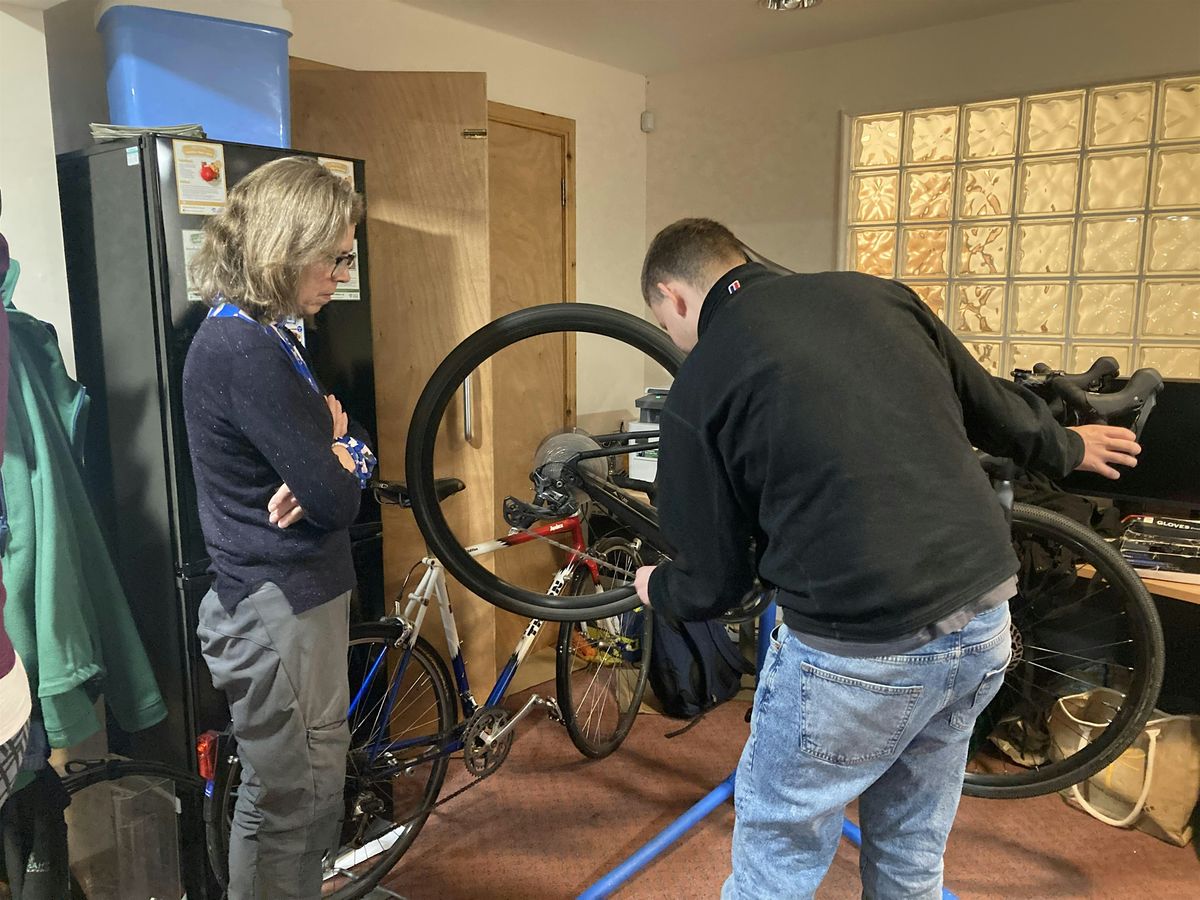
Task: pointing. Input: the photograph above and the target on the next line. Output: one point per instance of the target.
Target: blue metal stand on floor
(649, 851)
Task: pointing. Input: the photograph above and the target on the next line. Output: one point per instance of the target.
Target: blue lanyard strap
(228, 310)
(360, 453)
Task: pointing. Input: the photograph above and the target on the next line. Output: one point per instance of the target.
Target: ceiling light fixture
(787, 5)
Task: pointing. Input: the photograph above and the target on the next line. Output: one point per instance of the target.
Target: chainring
(481, 757)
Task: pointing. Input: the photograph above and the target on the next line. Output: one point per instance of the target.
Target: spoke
(1057, 607)
(583, 700)
(1086, 649)
(1084, 658)
(1067, 675)
(1070, 725)
(1025, 626)
(1029, 682)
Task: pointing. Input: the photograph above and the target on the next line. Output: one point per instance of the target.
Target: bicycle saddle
(396, 493)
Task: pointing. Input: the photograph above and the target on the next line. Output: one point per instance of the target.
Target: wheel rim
(395, 766)
(386, 804)
(427, 417)
(1078, 624)
(606, 663)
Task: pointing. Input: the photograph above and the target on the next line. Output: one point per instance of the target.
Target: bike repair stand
(718, 795)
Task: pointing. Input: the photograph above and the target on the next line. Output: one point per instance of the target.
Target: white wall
(610, 148)
(757, 144)
(30, 218)
(77, 73)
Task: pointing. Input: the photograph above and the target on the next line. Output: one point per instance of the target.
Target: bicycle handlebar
(1097, 378)
(1137, 398)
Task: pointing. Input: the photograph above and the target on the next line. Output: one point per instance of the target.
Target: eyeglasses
(343, 261)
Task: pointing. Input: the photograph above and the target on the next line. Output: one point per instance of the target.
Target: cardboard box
(1163, 548)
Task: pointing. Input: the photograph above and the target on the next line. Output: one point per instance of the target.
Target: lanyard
(227, 310)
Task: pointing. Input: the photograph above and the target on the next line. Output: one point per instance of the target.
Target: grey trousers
(285, 677)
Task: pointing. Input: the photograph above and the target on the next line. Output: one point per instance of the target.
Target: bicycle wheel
(1082, 619)
(486, 344)
(119, 830)
(602, 664)
(403, 712)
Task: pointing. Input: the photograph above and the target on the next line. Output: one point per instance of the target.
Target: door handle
(468, 411)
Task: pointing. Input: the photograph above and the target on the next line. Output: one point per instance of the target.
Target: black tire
(194, 873)
(441, 704)
(752, 606)
(427, 419)
(1059, 608)
(602, 664)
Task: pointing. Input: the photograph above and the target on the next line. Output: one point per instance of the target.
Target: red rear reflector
(206, 754)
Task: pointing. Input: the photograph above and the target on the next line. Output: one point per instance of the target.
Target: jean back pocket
(847, 721)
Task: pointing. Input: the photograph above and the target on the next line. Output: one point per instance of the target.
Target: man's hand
(341, 422)
(1105, 446)
(641, 581)
(284, 508)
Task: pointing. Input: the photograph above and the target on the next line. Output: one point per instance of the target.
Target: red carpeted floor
(550, 823)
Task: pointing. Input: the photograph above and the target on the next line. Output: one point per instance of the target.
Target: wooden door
(427, 227)
(531, 230)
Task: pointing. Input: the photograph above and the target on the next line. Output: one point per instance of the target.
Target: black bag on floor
(694, 666)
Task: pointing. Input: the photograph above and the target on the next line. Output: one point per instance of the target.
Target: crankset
(486, 741)
(489, 734)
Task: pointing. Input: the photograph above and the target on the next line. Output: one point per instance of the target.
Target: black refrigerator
(132, 213)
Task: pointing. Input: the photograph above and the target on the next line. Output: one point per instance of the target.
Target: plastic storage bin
(169, 68)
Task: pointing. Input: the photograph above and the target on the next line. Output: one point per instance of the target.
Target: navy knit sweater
(255, 423)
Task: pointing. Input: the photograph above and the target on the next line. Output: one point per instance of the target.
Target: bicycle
(403, 711)
(1082, 616)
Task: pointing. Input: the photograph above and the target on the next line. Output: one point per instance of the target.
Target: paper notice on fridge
(192, 239)
(199, 177)
(350, 290)
(342, 168)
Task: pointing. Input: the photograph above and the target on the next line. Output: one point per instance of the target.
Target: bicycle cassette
(483, 753)
(552, 458)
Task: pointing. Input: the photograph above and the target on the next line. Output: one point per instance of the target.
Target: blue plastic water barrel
(169, 68)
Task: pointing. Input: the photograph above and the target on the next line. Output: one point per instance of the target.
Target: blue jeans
(890, 730)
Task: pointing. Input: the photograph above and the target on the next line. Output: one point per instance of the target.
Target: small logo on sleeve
(736, 286)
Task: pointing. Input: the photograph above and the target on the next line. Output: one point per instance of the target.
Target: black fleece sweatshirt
(831, 418)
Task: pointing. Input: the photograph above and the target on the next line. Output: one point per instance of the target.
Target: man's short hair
(687, 251)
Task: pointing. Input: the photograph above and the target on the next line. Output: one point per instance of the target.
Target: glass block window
(1051, 228)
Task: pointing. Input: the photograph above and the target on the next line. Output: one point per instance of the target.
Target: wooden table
(1177, 590)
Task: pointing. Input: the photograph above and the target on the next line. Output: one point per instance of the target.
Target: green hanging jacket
(67, 613)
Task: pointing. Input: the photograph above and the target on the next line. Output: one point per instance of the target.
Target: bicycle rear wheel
(602, 664)
(501, 588)
(1082, 620)
(403, 712)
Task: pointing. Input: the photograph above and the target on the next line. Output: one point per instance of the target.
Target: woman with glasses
(279, 471)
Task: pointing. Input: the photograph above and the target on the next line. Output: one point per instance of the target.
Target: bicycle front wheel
(1081, 621)
(510, 587)
(402, 714)
(602, 664)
